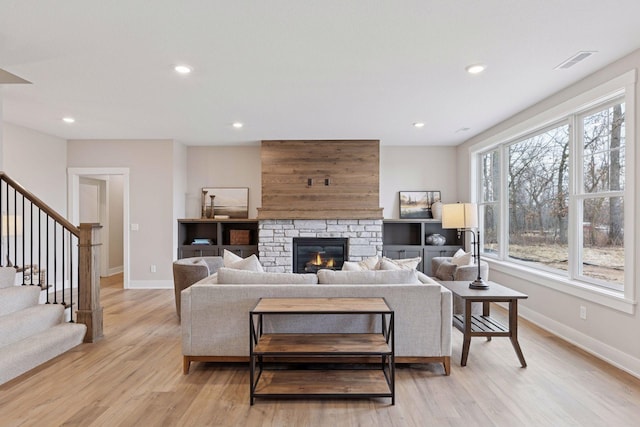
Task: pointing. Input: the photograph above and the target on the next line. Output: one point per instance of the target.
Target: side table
(484, 325)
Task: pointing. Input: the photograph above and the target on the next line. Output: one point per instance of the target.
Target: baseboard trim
(150, 284)
(115, 270)
(611, 355)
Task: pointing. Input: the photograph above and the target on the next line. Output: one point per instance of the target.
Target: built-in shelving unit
(216, 235)
(402, 238)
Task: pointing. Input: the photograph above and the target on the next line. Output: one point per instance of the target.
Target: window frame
(619, 89)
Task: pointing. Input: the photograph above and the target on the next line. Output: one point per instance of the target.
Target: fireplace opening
(311, 254)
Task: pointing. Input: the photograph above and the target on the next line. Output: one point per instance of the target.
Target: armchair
(187, 271)
(444, 269)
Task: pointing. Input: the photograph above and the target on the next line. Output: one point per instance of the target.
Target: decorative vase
(203, 212)
(436, 210)
(436, 240)
(212, 213)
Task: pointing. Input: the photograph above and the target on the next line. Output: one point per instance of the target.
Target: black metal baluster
(24, 261)
(71, 278)
(48, 270)
(55, 263)
(62, 265)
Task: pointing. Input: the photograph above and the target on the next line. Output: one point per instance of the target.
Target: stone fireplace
(275, 242)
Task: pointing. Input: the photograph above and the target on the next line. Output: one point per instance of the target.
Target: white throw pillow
(229, 258)
(461, 258)
(248, 264)
(401, 264)
(370, 263)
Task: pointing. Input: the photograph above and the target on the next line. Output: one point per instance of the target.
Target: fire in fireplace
(311, 254)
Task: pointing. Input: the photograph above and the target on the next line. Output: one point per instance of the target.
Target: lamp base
(479, 284)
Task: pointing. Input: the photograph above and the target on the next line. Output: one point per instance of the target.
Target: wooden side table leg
(486, 311)
(513, 330)
(466, 343)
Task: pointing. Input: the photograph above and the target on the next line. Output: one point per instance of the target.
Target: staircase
(50, 299)
(30, 333)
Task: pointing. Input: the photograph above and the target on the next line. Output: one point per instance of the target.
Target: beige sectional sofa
(215, 312)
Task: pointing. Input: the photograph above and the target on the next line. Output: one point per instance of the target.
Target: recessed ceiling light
(68, 119)
(476, 68)
(237, 125)
(183, 69)
(418, 125)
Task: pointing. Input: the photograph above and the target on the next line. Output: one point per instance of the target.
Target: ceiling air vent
(570, 62)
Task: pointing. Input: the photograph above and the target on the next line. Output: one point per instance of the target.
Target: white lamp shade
(460, 215)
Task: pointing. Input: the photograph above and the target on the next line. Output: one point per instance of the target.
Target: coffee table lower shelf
(356, 383)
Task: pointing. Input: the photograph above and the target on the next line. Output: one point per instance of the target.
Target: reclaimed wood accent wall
(320, 179)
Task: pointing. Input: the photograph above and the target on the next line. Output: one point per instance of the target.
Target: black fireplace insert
(311, 254)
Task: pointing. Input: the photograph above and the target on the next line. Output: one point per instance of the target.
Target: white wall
(37, 162)
(150, 164)
(179, 189)
(222, 167)
(413, 169)
(116, 224)
(606, 332)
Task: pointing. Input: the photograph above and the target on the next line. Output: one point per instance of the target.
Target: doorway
(102, 195)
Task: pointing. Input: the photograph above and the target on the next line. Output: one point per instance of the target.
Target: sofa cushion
(370, 263)
(229, 276)
(367, 277)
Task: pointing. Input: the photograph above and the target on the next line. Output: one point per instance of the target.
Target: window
(560, 189)
(600, 195)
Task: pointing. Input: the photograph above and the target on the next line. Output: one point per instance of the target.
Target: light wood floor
(134, 378)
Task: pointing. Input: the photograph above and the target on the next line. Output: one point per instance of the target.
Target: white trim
(151, 284)
(579, 104)
(598, 295)
(609, 354)
(115, 270)
(73, 191)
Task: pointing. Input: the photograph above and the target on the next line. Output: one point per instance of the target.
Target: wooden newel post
(89, 309)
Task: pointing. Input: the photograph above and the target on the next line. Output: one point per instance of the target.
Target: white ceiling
(296, 69)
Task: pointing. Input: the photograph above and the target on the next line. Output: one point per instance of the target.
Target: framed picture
(417, 204)
(231, 202)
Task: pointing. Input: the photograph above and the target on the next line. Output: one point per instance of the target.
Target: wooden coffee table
(378, 381)
(484, 325)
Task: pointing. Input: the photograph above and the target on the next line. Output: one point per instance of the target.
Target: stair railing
(50, 252)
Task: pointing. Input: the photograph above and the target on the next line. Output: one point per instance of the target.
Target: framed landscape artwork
(233, 202)
(417, 204)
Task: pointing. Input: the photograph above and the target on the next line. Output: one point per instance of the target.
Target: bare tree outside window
(549, 173)
(538, 198)
(603, 163)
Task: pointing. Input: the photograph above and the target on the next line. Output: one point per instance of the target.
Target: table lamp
(464, 217)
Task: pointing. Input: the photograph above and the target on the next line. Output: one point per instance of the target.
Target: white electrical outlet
(583, 312)
(153, 268)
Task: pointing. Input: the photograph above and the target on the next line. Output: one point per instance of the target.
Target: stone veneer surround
(275, 238)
